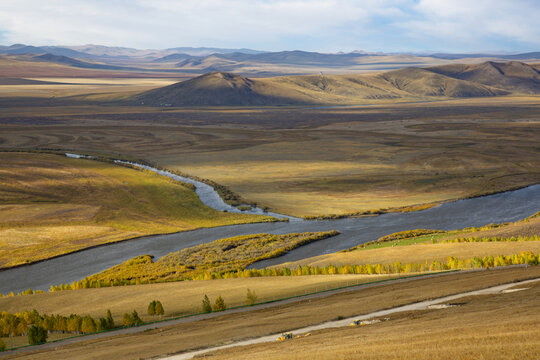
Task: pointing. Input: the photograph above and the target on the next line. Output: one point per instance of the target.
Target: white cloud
(271, 24)
(475, 23)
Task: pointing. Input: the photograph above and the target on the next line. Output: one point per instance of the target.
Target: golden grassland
(422, 248)
(501, 326)
(51, 205)
(233, 327)
(178, 298)
(309, 161)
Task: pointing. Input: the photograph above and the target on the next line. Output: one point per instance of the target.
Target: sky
(416, 26)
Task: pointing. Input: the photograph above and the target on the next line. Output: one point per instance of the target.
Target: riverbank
(51, 205)
(498, 208)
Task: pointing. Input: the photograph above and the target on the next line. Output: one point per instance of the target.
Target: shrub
(36, 335)
(135, 318)
(110, 321)
(251, 297)
(159, 308)
(131, 319)
(219, 305)
(88, 325)
(152, 308)
(126, 319)
(206, 306)
(2, 345)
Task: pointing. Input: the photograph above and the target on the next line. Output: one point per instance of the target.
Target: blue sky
(314, 25)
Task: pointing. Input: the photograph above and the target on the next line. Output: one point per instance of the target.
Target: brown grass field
(50, 205)
(519, 314)
(474, 330)
(307, 162)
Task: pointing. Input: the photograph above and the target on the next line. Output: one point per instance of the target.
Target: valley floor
(308, 161)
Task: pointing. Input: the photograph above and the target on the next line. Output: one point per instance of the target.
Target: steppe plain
(343, 155)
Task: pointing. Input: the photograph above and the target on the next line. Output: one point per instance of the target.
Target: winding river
(502, 207)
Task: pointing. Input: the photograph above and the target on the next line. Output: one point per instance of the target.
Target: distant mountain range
(448, 81)
(198, 54)
(107, 52)
(186, 62)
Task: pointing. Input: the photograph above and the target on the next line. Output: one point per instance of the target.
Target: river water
(503, 207)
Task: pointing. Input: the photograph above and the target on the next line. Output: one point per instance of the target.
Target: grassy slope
(178, 298)
(50, 205)
(231, 327)
(227, 89)
(420, 249)
(501, 326)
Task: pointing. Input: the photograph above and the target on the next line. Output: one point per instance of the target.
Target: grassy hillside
(220, 89)
(50, 205)
(513, 76)
(453, 81)
(423, 82)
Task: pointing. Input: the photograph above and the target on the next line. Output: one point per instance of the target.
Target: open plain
(310, 161)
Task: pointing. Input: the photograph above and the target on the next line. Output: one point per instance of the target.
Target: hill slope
(510, 76)
(450, 81)
(424, 82)
(220, 89)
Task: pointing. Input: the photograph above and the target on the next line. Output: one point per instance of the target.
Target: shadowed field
(310, 161)
(50, 205)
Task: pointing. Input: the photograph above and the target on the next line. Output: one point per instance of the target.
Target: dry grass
(178, 298)
(309, 162)
(50, 205)
(232, 327)
(503, 326)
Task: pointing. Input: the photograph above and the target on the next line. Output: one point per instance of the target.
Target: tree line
(18, 324)
(369, 269)
(37, 326)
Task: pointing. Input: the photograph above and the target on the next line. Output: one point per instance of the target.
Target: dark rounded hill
(219, 89)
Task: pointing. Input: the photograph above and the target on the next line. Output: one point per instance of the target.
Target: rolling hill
(511, 76)
(450, 81)
(218, 89)
(423, 82)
